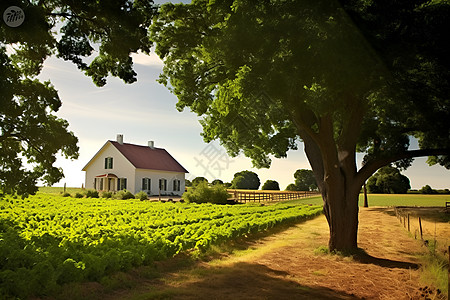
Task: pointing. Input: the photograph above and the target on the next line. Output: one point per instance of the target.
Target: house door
(111, 184)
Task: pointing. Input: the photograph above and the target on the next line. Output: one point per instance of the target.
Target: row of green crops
(47, 240)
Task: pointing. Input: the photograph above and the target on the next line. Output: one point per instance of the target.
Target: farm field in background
(404, 200)
(58, 190)
(49, 240)
(389, 200)
(374, 199)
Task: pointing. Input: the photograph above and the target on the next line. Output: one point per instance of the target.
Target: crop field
(47, 240)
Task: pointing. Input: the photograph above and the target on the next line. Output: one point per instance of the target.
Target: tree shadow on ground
(387, 210)
(239, 281)
(365, 258)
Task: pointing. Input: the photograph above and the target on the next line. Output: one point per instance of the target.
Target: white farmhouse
(119, 166)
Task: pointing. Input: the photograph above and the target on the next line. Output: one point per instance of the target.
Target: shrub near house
(203, 193)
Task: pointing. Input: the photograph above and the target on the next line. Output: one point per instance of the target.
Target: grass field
(390, 200)
(404, 200)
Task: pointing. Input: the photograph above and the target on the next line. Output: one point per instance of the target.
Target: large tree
(305, 180)
(388, 180)
(247, 180)
(97, 36)
(271, 185)
(341, 76)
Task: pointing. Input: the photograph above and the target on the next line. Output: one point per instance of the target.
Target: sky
(145, 111)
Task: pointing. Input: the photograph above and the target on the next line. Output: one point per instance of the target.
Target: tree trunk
(366, 203)
(341, 211)
(335, 176)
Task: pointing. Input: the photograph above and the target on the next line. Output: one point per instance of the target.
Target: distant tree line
(426, 189)
(387, 180)
(304, 181)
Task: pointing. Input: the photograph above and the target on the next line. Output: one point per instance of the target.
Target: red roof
(144, 157)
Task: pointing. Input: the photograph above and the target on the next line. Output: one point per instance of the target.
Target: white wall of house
(154, 177)
(122, 168)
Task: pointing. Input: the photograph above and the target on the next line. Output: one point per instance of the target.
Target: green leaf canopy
(262, 75)
(97, 36)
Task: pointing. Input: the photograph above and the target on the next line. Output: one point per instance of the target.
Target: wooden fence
(268, 196)
(405, 220)
(412, 222)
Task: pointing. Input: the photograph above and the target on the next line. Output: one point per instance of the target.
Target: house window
(95, 183)
(121, 184)
(101, 184)
(163, 185)
(176, 185)
(146, 184)
(108, 162)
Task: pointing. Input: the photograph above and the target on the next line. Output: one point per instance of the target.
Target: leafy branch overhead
(98, 37)
(314, 70)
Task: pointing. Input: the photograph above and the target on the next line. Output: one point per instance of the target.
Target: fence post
(420, 228)
(408, 222)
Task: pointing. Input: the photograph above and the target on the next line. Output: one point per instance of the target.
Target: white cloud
(98, 111)
(147, 60)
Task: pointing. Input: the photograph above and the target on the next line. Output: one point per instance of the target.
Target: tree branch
(373, 165)
(351, 131)
(69, 16)
(7, 135)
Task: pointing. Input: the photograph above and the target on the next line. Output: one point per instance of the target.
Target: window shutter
(176, 185)
(106, 163)
(124, 183)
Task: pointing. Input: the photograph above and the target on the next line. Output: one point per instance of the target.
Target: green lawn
(390, 200)
(404, 200)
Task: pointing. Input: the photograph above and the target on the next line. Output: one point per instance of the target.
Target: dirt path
(287, 265)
